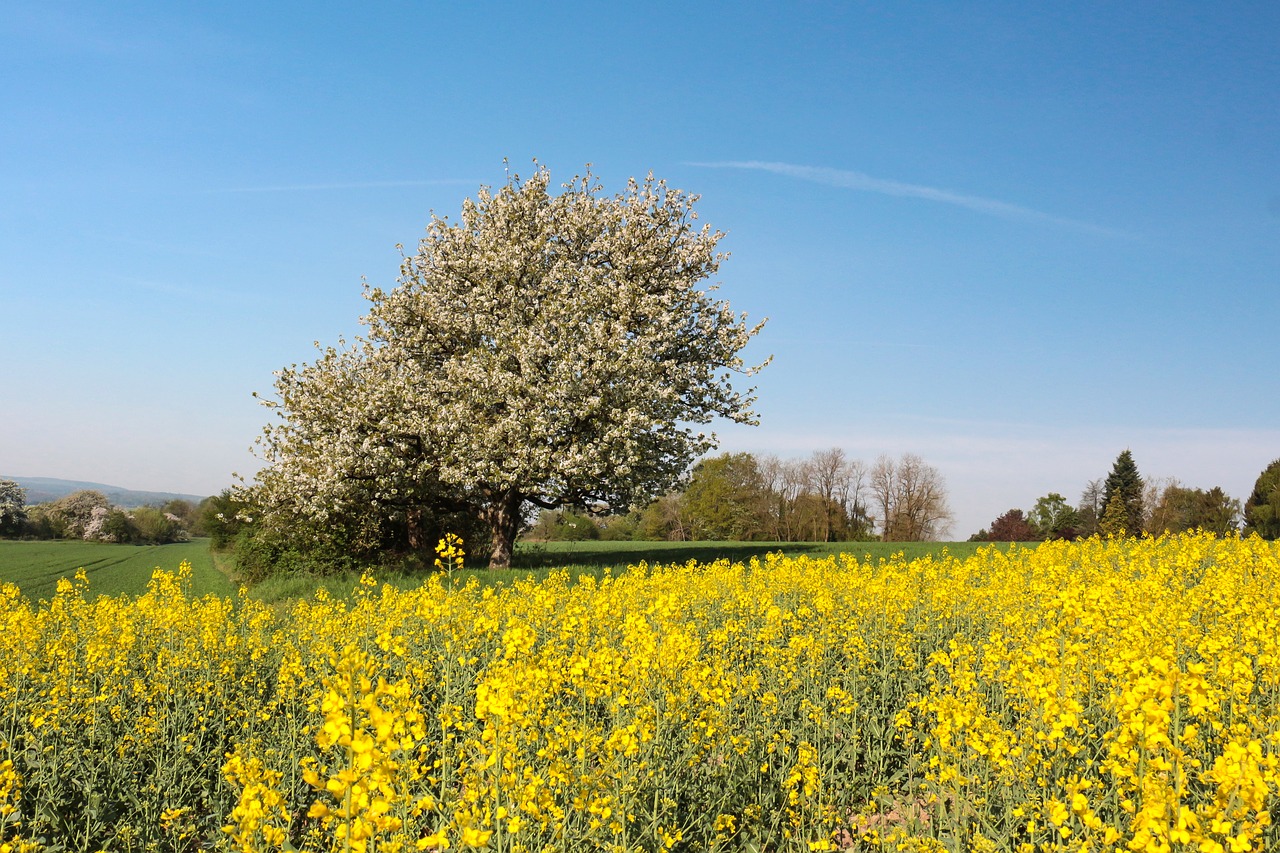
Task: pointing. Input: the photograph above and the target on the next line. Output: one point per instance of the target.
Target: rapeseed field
(1091, 696)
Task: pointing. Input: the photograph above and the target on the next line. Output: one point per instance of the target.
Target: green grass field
(112, 569)
(593, 558)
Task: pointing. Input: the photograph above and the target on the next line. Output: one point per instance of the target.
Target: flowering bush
(1096, 695)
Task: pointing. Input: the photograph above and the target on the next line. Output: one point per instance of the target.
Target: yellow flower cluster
(1097, 696)
(449, 553)
(1124, 697)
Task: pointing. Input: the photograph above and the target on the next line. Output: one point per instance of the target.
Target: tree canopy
(1178, 509)
(1012, 526)
(552, 349)
(1054, 518)
(725, 498)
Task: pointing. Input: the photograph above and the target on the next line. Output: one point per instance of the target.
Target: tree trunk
(503, 517)
(413, 521)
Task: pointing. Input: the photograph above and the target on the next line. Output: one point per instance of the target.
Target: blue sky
(1014, 240)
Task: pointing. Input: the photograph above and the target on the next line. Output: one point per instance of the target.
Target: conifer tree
(1262, 509)
(1115, 519)
(1125, 483)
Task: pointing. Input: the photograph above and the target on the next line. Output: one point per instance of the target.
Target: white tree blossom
(13, 507)
(548, 348)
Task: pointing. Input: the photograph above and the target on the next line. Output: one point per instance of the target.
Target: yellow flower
(475, 838)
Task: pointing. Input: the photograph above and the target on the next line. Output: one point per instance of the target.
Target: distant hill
(42, 489)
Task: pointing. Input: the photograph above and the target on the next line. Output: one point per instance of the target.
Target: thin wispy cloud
(355, 185)
(184, 291)
(849, 180)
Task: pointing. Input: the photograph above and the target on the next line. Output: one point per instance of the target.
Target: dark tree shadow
(599, 555)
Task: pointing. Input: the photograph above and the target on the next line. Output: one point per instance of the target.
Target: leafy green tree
(664, 520)
(576, 527)
(13, 508)
(622, 527)
(725, 498)
(1262, 509)
(222, 516)
(1180, 509)
(157, 527)
(1125, 484)
(551, 349)
(118, 527)
(544, 527)
(1216, 512)
(1054, 518)
(40, 523)
(565, 526)
(184, 510)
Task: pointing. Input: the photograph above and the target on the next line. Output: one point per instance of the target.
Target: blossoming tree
(13, 507)
(550, 349)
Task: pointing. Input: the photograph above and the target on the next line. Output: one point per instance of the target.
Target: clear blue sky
(1012, 239)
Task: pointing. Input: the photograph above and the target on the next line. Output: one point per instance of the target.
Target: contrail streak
(849, 180)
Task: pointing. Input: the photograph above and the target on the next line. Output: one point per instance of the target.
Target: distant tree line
(89, 515)
(826, 497)
(1125, 504)
(741, 496)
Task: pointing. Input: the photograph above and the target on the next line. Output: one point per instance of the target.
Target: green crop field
(112, 569)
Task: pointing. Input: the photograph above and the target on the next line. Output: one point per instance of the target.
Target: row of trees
(1123, 503)
(827, 497)
(89, 515)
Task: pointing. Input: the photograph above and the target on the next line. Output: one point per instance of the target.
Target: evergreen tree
(1262, 509)
(1114, 518)
(1125, 483)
